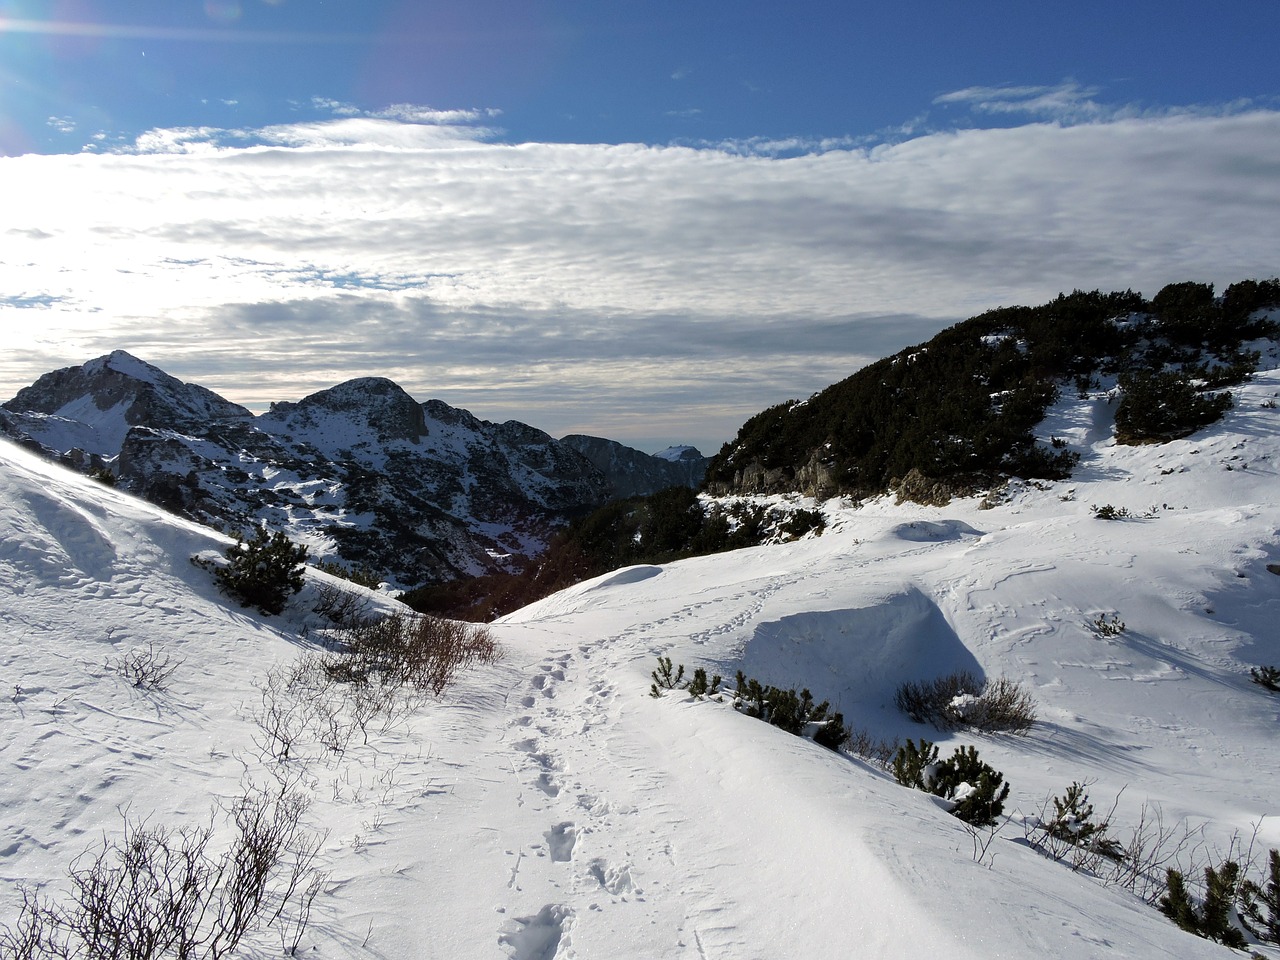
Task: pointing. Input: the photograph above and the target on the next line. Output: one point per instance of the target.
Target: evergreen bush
(663, 678)
(700, 687)
(1157, 406)
(1072, 833)
(975, 787)
(976, 790)
(1213, 920)
(1254, 897)
(797, 714)
(264, 572)
(1108, 625)
(1268, 677)
(912, 767)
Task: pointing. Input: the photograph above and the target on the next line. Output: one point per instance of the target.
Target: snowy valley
(547, 806)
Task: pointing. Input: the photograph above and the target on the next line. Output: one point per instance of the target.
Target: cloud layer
(650, 294)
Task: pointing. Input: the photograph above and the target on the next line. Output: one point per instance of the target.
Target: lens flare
(222, 11)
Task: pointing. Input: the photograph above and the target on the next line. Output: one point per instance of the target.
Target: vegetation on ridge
(961, 410)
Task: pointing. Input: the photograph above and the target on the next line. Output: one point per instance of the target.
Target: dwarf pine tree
(1213, 920)
(263, 572)
(1255, 897)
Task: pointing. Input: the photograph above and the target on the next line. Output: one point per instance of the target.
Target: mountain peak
(631, 472)
(110, 395)
(373, 403)
(123, 362)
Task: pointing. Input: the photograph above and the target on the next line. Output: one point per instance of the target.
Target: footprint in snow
(544, 936)
(561, 840)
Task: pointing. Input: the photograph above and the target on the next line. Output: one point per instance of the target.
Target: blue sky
(618, 72)
(645, 221)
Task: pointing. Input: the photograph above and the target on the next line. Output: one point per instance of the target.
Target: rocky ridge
(361, 472)
(631, 473)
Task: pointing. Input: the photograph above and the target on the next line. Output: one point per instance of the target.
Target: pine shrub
(1254, 897)
(1268, 677)
(912, 767)
(1157, 406)
(1073, 832)
(976, 790)
(797, 714)
(264, 572)
(975, 787)
(1213, 920)
(663, 678)
(700, 687)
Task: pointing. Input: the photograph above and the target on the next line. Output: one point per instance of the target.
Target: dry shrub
(340, 606)
(872, 749)
(160, 892)
(1002, 707)
(416, 651)
(928, 701)
(145, 669)
(962, 700)
(379, 674)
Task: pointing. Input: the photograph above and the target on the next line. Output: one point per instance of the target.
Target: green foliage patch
(1266, 677)
(959, 411)
(975, 789)
(262, 572)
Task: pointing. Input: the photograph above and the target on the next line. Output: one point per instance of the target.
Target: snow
(678, 453)
(106, 428)
(548, 807)
(123, 362)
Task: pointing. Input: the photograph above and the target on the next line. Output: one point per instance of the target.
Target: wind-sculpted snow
(548, 807)
(926, 531)
(898, 638)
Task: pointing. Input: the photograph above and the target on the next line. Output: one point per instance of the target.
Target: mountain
(546, 805)
(963, 411)
(91, 408)
(362, 472)
(631, 473)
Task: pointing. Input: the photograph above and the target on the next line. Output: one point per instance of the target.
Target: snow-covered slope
(548, 807)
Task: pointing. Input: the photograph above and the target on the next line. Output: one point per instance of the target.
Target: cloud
(640, 292)
(1067, 101)
(413, 113)
(62, 124)
(1071, 103)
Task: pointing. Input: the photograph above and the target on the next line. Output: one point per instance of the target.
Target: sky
(645, 221)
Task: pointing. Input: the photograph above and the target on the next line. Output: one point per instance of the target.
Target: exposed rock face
(631, 473)
(419, 492)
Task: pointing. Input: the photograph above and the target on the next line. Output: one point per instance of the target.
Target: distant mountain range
(361, 472)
